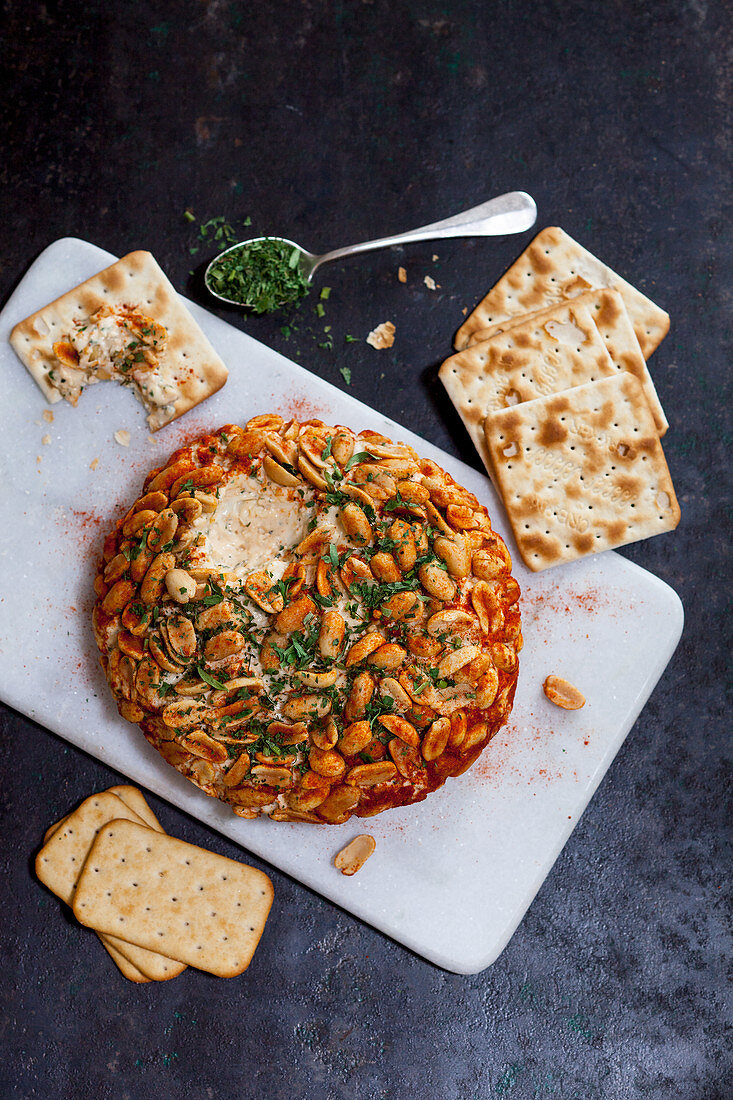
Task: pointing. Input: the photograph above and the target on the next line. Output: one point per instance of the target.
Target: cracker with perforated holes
(612, 321)
(132, 797)
(534, 358)
(136, 800)
(581, 471)
(163, 894)
(190, 369)
(554, 267)
(60, 861)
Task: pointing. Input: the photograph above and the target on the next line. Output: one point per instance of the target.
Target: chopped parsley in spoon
(262, 275)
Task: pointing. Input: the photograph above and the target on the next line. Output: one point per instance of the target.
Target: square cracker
(132, 797)
(551, 268)
(534, 358)
(581, 471)
(137, 281)
(612, 321)
(60, 861)
(164, 894)
(135, 799)
(125, 967)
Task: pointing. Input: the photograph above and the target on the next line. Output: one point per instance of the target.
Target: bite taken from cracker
(126, 324)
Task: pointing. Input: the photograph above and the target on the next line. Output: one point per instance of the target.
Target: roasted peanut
(404, 552)
(355, 524)
(331, 635)
(451, 621)
(205, 477)
(387, 657)
(339, 805)
(325, 737)
(436, 582)
(359, 696)
(116, 568)
(118, 597)
(385, 568)
(455, 554)
(436, 739)
(181, 637)
(330, 763)
(162, 530)
(486, 688)
(224, 645)
(180, 585)
(369, 775)
(294, 615)
(487, 608)
(456, 659)
(403, 607)
(400, 727)
(153, 582)
(355, 738)
(362, 649)
(198, 743)
(390, 688)
(406, 759)
(353, 857)
(563, 694)
(342, 448)
(300, 707)
(262, 590)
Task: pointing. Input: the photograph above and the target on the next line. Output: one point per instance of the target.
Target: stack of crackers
(156, 903)
(552, 384)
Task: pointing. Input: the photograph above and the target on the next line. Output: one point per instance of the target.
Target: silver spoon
(513, 212)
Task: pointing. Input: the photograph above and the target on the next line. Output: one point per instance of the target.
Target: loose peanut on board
(563, 694)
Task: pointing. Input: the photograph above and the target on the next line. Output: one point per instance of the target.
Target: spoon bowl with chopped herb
(265, 273)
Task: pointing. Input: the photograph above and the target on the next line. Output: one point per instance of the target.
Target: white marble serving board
(452, 877)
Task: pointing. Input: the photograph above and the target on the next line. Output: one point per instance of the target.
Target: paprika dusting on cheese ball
(308, 622)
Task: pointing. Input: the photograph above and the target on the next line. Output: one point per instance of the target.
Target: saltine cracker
(551, 268)
(523, 363)
(136, 281)
(60, 861)
(612, 321)
(581, 471)
(162, 893)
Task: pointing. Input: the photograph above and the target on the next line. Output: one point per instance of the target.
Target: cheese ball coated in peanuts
(309, 622)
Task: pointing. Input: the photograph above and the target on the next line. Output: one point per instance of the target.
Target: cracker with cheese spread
(127, 324)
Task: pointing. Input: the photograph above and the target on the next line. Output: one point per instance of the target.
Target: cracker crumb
(48, 416)
(382, 336)
(46, 440)
(402, 274)
(93, 464)
(464, 311)
(430, 283)
(123, 437)
(435, 256)
(152, 439)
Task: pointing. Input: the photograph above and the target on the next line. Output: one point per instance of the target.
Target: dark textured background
(331, 123)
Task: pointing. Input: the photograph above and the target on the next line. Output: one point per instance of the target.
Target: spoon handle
(510, 213)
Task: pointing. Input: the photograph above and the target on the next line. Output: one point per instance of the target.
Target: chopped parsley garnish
(360, 456)
(210, 679)
(263, 275)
